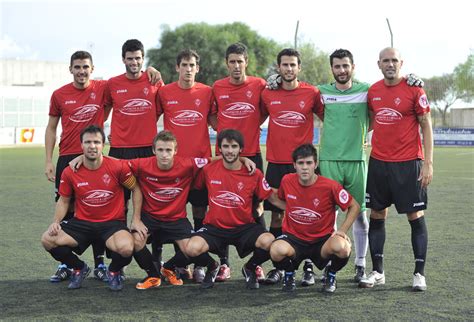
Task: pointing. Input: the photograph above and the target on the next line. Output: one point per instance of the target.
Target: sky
(433, 37)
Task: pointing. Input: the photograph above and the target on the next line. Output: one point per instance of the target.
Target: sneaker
(250, 278)
(115, 281)
(324, 275)
(210, 277)
(63, 273)
(289, 284)
(274, 276)
(330, 283)
(123, 277)
(359, 273)
(308, 277)
(171, 277)
(100, 273)
(260, 274)
(78, 276)
(374, 278)
(419, 283)
(184, 273)
(224, 273)
(198, 274)
(148, 282)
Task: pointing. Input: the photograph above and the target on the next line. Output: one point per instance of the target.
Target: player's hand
(413, 80)
(54, 229)
(140, 228)
(49, 171)
(154, 76)
(343, 235)
(249, 164)
(76, 163)
(426, 174)
(273, 81)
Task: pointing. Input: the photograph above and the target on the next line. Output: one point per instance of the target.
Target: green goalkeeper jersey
(346, 120)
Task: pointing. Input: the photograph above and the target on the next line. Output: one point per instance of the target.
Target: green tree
(315, 65)
(211, 42)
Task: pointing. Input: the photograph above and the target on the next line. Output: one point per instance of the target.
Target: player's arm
(49, 142)
(212, 121)
(426, 174)
(137, 200)
(277, 202)
(60, 211)
(352, 212)
(154, 75)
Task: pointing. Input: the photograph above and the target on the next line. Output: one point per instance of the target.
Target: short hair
(81, 54)
(341, 53)
(304, 151)
(132, 45)
(289, 52)
(236, 48)
(165, 136)
(230, 135)
(187, 54)
(93, 129)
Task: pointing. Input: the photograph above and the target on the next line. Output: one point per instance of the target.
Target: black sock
(98, 249)
(376, 243)
(259, 256)
(224, 255)
(285, 265)
(118, 261)
(203, 260)
(156, 250)
(419, 243)
(178, 260)
(276, 231)
(337, 263)
(145, 261)
(65, 255)
(308, 265)
(197, 223)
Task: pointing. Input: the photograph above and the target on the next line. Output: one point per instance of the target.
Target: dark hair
(304, 151)
(187, 54)
(230, 135)
(93, 129)
(288, 52)
(81, 54)
(165, 136)
(236, 48)
(132, 45)
(341, 53)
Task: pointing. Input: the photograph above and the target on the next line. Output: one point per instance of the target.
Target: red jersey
(396, 135)
(238, 107)
(77, 108)
(311, 210)
(98, 193)
(185, 115)
(290, 119)
(165, 192)
(134, 115)
(230, 194)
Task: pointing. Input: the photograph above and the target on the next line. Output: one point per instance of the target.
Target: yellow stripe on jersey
(130, 182)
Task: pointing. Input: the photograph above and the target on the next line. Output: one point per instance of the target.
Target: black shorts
(395, 183)
(243, 237)
(257, 158)
(304, 250)
(86, 232)
(198, 198)
(63, 163)
(166, 232)
(276, 172)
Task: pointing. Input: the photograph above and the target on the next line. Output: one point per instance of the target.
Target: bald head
(390, 63)
(389, 50)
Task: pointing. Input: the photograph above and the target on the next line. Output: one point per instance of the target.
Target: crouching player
(100, 211)
(310, 217)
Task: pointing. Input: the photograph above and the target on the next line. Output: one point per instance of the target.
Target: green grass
(25, 293)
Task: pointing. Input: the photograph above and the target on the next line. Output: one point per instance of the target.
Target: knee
(265, 241)
(125, 247)
(47, 241)
(278, 251)
(138, 243)
(192, 249)
(378, 214)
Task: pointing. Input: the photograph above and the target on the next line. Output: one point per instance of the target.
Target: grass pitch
(26, 294)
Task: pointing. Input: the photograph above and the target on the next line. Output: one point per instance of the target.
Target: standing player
(397, 173)
(290, 109)
(310, 217)
(97, 188)
(229, 220)
(238, 107)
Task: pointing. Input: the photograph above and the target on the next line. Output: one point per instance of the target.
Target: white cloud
(9, 48)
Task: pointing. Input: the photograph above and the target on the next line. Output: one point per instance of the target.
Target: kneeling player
(229, 220)
(99, 203)
(308, 226)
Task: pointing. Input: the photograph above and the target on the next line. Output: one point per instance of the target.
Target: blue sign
(453, 136)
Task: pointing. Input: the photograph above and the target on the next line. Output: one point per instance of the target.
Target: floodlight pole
(296, 34)
(391, 34)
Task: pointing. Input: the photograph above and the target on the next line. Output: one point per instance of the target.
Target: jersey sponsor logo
(136, 106)
(423, 101)
(388, 116)
(238, 110)
(69, 102)
(152, 179)
(167, 194)
(97, 198)
(227, 199)
(289, 119)
(82, 184)
(186, 118)
(200, 162)
(376, 99)
(290, 196)
(347, 98)
(275, 103)
(84, 113)
(223, 96)
(343, 196)
(416, 204)
(172, 102)
(216, 182)
(303, 216)
(121, 91)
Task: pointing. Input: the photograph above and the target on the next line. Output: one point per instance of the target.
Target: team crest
(343, 196)
(240, 186)
(302, 104)
(92, 96)
(249, 94)
(397, 101)
(197, 102)
(265, 184)
(146, 91)
(106, 179)
(423, 101)
(315, 202)
(177, 180)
